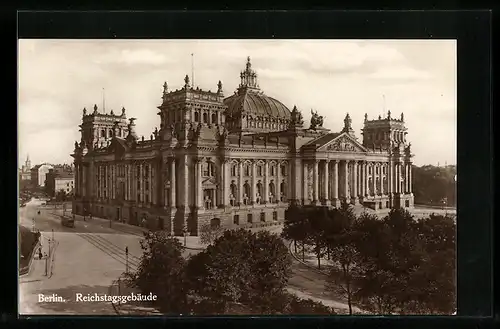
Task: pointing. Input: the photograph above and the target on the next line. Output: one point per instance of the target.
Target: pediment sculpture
(343, 145)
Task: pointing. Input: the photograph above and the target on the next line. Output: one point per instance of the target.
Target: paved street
(87, 259)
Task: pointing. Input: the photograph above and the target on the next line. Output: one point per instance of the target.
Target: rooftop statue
(297, 118)
(316, 120)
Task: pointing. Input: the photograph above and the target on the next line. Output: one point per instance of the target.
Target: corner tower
(384, 133)
(99, 128)
(184, 108)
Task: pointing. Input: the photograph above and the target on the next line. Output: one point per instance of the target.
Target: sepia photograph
(237, 177)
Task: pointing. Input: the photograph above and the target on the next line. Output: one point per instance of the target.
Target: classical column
(129, 181)
(240, 189)
(185, 182)
(362, 184)
(397, 178)
(355, 182)
(335, 182)
(225, 183)
(278, 183)
(150, 179)
(266, 182)
(315, 182)
(254, 188)
(407, 178)
(389, 178)
(199, 187)
(346, 179)
(381, 179)
(172, 202)
(84, 179)
(326, 183)
(410, 178)
(305, 186)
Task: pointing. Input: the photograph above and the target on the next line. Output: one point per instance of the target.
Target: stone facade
(237, 161)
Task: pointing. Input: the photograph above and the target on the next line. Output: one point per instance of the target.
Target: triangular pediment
(342, 143)
(117, 146)
(210, 181)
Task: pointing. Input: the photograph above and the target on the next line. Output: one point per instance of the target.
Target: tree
(434, 281)
(209, 233)
(161, 271)
(319, 219)
(296, 227)
(298, 306)
(240, 267)
(432, 184)
(61, 195)
(342, 243)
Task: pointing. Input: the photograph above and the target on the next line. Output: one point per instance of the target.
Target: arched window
(246, 189)
(234, 170)
(205, 118)
(103, 133)
(214, 118)
(283, 191)
(259, 170)
(272, 192)
(260, 192)
(110, 133)
(196, 117)
(247, 170)
(272, 171)
(283, 170)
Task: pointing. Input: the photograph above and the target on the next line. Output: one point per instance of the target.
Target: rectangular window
(236, 219)
(249, 218)
(262, 216)
(275, 215)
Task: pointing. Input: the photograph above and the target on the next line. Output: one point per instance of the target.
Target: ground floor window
(249, 218)
(407, 203)
(275, 215)
(262, 216)
(236, 219)
(387, 204)
(215, 222)
(380, 205)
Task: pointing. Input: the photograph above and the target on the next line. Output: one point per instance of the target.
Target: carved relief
(343, 145)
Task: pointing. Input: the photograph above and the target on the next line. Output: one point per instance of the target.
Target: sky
(58, 78)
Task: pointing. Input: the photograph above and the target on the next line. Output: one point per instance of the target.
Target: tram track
(111, 250)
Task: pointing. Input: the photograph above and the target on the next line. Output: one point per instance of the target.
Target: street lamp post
(185, 233)
(126, 260)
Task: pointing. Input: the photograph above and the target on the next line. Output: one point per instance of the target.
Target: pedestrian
(40, 253)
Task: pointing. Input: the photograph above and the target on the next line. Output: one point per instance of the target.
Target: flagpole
(103, 102)
(192, 68)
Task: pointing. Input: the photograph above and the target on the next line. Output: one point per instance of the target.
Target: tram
(67, 221)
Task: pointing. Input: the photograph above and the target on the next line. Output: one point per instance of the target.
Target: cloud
(58, 78)
(133, 57)
(399, 73)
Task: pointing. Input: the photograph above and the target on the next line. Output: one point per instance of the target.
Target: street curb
(52, 258)
(112, 304)
(314, 269)
(30, 263)
(304, 263)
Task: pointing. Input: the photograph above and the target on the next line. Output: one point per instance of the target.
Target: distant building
(25, 171)
(38, 174)
(58, 180)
